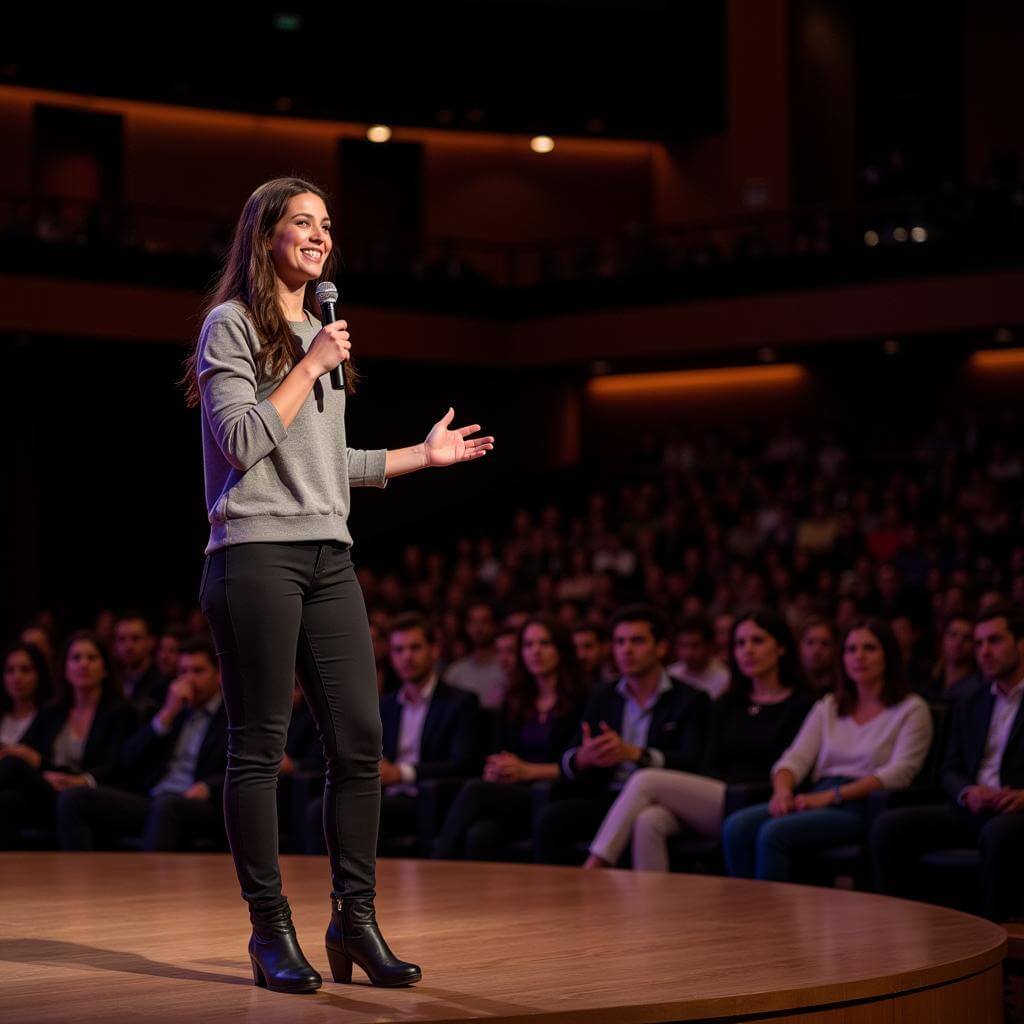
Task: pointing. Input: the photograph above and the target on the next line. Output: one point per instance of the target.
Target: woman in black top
(537, 722)
(74, 741)
(26, 688)
(751, 724)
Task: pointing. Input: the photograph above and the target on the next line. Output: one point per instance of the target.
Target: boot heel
(257, 974)
(341, 965)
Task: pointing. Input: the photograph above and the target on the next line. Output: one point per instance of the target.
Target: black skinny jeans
(272, 606)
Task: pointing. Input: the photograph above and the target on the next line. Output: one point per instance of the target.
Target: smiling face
(301, 240)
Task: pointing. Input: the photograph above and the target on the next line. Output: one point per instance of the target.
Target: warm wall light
(378, 133)
(542, 143)
(1001, 359)
(682, 381)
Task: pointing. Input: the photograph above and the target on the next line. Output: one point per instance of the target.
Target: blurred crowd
(747, 636)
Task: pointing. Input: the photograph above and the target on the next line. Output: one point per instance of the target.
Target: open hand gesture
(444, 447)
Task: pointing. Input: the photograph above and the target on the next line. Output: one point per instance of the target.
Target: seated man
(983, 775)
(431, 730)
(646, 719)
(176, 765)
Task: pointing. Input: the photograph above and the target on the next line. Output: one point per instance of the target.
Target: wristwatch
(645, 760)
(838, 792)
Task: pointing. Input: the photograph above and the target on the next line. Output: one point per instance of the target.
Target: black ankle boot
(277, 961)
(353, 936)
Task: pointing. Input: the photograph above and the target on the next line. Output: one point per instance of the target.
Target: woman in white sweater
(872, 733)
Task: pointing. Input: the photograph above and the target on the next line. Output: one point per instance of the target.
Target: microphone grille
(326, 292)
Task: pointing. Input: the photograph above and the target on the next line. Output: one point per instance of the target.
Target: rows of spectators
(128, 749)
(564, 747)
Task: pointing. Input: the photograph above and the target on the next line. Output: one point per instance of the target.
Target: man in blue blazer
(646, 719)
(983, 776)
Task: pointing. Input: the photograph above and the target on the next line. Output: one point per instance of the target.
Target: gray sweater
(265, 481)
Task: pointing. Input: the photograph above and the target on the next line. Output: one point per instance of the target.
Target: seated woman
(751, 724)
(26, 687)
(872, 733)
(74, 741)
(538, 718)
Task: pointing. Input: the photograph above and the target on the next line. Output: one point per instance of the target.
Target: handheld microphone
(327, 296)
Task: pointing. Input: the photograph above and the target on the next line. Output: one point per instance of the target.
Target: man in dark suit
(983, 776)
(134, 648)
(177, 762)
(431, 730)
(644, 720)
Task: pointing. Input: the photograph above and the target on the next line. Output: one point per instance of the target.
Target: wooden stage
(108, 937)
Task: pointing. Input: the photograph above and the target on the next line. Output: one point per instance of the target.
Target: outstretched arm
(442, 447)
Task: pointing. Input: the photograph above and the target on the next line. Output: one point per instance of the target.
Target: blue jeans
(756, 845)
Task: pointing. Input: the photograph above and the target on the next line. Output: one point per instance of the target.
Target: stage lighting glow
(1002, 359)
(542, 143)
(871, 238)
(632, 385)
(378, 133)
(919, 234)
(899, 234)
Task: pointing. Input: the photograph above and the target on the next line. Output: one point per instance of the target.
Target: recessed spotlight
(871, 238)
(542, 143)
(378, 133)
(899, 234)
(919, 234)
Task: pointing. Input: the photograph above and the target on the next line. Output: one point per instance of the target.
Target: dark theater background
(737, 286)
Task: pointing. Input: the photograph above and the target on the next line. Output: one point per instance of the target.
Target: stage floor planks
(103, 937)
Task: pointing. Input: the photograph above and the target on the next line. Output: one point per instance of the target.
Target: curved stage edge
(105, 937)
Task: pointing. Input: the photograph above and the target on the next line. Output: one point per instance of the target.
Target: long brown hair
(570, 685)
(248, 276)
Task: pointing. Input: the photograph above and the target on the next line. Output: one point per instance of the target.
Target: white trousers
(657, 803)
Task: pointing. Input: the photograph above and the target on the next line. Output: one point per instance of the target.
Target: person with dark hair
(591, 652)
(168, 647)
(479, 671)
(750, 726)
(537, 720)
(26, 688)
(431, 731)
(173, 770)
(695, 662)
(134, 645)
(983, 776)
(955, 669)
(646, 719)
(278, 582)
(818, 643)
(75, 740)
(872, 733)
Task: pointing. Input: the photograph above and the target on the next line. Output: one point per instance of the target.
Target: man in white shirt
(480, 671)
(983, 776)
(695, 662)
